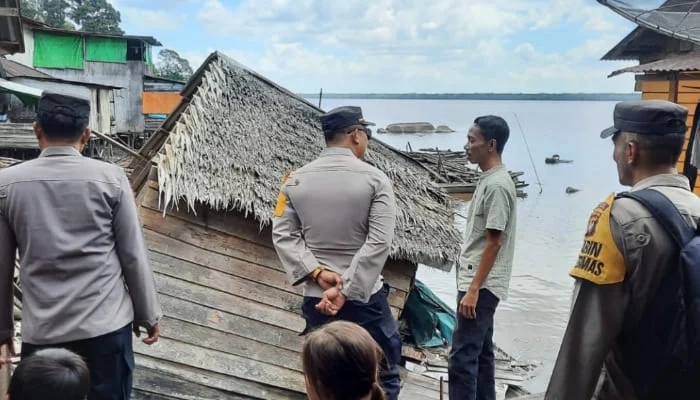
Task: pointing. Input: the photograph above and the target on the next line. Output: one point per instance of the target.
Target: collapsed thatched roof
(235, 135)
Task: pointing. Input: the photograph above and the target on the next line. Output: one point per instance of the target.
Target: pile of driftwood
(449, 169)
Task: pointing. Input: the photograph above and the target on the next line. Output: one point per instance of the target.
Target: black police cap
(343, 117)
(648, 117)
(70, 106)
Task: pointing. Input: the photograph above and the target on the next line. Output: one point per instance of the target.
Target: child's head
(341, 362)
(50, 374)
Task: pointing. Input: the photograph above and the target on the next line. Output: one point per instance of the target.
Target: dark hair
(50, 374)
(494, 127)
(341, 362)
(61, 127)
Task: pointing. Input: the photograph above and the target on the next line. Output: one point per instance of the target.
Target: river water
(529, 325)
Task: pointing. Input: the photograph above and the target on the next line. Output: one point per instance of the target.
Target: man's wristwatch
(316, 272)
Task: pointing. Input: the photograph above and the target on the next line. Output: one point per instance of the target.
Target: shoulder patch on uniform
(281, 198)
(600, 261)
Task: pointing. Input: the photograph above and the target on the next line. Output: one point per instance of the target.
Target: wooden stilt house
(669, 69)
(232, 322)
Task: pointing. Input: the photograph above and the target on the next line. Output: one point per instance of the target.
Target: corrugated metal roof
(13, 69)
(29, 95)
(43, 27)
(687, 62)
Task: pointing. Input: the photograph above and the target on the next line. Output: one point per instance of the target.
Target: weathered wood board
(232, 322)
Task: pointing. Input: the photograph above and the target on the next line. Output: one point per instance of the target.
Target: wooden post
(4, 375)
(673, 89)
(320, 97)
(442, 395)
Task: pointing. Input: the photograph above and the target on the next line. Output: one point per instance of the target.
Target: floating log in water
(555, 159)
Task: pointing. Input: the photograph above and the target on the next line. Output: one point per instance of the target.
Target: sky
(398, 46)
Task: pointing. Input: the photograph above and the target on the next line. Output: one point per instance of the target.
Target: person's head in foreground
(346, 127)
(341, 362)
(62, 121)
(56, 374)
(648, 137)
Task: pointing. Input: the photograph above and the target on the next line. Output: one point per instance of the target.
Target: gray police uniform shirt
(493, 206)
(603, 315)
(84, 263)
(338, 212)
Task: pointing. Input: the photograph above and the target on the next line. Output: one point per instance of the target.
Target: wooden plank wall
(688, 95)
(232, 322)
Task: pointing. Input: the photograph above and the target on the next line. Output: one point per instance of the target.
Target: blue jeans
(471, 366)
(375, 316)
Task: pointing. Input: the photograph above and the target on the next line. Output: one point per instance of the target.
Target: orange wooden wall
(688, 96)
(160, 102)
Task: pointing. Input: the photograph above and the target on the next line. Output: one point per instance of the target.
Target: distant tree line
(482, 96)
(99, 16)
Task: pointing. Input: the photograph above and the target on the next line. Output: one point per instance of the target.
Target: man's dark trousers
(110, 359)
(471, 364)
(375, 316)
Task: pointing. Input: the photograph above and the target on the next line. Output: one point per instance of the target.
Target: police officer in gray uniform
(85, 275)
(624, 261)
(333, 228)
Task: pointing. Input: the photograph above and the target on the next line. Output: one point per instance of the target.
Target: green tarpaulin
(57, 51)
(430, 319)
(102, 49)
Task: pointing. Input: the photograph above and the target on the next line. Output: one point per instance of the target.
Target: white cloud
(526, 51)
(413, 45)
(146, 20)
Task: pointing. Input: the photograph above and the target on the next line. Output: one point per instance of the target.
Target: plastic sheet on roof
(675, 18)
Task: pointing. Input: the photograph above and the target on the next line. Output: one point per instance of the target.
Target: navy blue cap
(342, 117)
(70, 106)
(648, 117)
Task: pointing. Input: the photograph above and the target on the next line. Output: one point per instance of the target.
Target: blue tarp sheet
(431, 320)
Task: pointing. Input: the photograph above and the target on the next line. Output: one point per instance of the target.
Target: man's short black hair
(50, 374)
(61, 127)
(494, 127)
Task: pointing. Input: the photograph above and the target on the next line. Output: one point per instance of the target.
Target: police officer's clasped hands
(333, 299)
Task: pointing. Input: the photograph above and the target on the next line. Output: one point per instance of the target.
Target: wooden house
(100, 111)
(232, 321)
(669, 69)
(119, 61)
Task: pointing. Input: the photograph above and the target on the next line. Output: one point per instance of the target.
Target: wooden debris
(18, 136)
(449, 170)
(431, 365)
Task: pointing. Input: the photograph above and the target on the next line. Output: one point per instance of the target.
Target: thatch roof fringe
(240, 133)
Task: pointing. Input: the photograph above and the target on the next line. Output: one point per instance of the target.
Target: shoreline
(479, 96)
